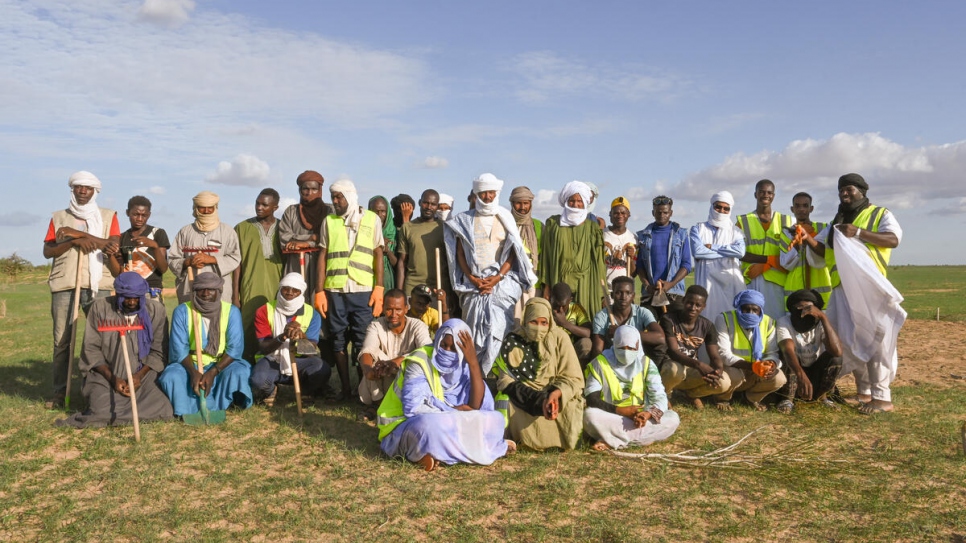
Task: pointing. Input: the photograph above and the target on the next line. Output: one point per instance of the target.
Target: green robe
(259, 279)
(574, 255)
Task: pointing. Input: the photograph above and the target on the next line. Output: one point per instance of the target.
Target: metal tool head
(119, 325)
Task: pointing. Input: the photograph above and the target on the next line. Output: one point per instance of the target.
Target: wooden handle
(73, 326)
(439, 286)
(130, 385)
(295, 379)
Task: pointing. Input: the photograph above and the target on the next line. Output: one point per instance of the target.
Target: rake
(186, 251)
(122, 327)
(301, 253)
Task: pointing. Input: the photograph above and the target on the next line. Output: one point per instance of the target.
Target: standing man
(488, 266)
(95, 233)
(209, 232)
(299, 228)
(144, 248)
(416, 250)
(717, 245)
(760, 266)
(531, 230)
(806, 269)
(349, 287)
(663, 256)
(870, 354)
(620, 244)
(255, 281)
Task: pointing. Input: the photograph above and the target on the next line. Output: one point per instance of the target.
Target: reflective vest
(601, 370)
(340, 262)
(818, 279)
(223, 330)
(759, 241)
(501, 401)
(304, 320)
(740, 344)
(869, 220)
(390, 412)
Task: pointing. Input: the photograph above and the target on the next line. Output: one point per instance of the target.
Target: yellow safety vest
(740, 344)
(601, 370)
(869, 220)
(818, 278)
(390, 412)
(304, 320)
(223, 330)
(759, 241)
(340, 262)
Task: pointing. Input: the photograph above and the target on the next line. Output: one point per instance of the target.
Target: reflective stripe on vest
(818, 278)
(740, 344)
(869, 220)
(304, 320)
(502, 404)
(602, 371)
(390, 412)
(223, 330)
(759, 241)
(341, 263)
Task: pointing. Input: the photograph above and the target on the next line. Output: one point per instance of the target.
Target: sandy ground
(932, 353)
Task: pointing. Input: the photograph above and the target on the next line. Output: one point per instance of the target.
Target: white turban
(91, 214)
(484, 183)
(347, 188)
(284, 310)
(448, 200)
(628, 336)
(717, 219)
(573, 216)
(594, 195)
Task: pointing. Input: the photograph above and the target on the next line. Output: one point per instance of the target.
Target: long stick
(196, 322)
(130, 385)
(295, 379)
(73, 327)
(439, 286)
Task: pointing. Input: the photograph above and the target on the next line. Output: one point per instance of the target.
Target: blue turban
(132, 285)
(751, 320)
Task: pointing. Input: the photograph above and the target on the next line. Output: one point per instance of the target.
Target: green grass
(927, 288)
(266, 476)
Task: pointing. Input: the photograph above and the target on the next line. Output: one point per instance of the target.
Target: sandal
(428, 463)
(785, 407)
(600, 446)
(869, 409)
(723, 406)
(758, 406)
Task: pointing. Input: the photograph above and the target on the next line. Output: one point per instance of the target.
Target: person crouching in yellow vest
(760, 265)
(616, 398)
(749, 348)
(349, 273)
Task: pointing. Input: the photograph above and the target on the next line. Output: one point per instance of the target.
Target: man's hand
(142, 241)
(709, 374)
(849, 230)
(551, 407)
(86, 244)
(297, 245)
(560, 316)
(200, 260)
(465, 345)
(293, 331)
(208, 380)
(407, 211)
(194, 377)
(641, 418)
(629, 411)
(321, 303)
(120, 386)
(805, 390)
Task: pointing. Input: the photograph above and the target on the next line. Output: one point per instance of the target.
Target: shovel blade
(204, 417)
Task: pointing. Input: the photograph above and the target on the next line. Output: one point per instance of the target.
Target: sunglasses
(662, 201)
(722, 208)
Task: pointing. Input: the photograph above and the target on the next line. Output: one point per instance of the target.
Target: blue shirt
(180, 347)
(640, 318)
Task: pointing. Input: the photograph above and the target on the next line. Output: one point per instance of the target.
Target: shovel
(122, 328)
(660, 299)
(203, 417)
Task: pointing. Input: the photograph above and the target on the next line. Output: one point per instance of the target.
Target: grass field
(266, 476)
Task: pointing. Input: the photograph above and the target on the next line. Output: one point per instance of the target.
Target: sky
(166, 98)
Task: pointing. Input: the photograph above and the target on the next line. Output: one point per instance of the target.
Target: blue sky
(170, 97)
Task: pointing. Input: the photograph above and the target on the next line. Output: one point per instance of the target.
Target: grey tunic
(228, 257)
(105, 406)
(290, 228)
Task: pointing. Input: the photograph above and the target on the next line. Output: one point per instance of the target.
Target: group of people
(535, 337)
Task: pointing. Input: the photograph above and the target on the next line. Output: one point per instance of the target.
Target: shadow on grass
(30, 379)
(329, 421)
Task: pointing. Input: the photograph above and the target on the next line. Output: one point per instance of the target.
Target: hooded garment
(483, 183)
(90, 213)
(454, 373)
(132, 285)
(626, 366)
(716, 218)
(573, 216)
(205, 223)
(209, 310)
(750, 321)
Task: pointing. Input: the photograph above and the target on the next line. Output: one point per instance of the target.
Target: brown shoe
(269, 400)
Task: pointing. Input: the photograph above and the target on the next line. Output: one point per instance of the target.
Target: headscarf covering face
(483, 183)
(573, 216)
(348, 190)
(536, 308)
(311, 212)
(443, 214)
(203, 222)
(591, 203)
(452, 371)
(131, 285)
(799, 323)
(628, 336)
(525, 221)
(90, 213)
(847, 213)
(284, 309)
(388, 227)
(751, 320)
(716, 218)
(209, 310)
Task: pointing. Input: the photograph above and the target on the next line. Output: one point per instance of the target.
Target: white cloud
(547, 75)
(157, 189)
(171, 13)
(900, 177)
(435, 162)
(244, 170)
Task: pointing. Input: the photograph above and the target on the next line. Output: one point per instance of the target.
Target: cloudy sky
(170, 97)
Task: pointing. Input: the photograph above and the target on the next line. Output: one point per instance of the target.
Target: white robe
(718, 269)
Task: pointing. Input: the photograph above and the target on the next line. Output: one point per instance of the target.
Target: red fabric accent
(115, 229)
(51, 234)
(263, 327)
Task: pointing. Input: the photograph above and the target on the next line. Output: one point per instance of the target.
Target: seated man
(540, 383)
(625, 311)
(626, 402)
(102, 361)
(810, 349)
(279, 324)
(440, 411)
(573, 319)
(388, 340)
(225, 381)
(686, 331)
(420, 306)
(747, 345)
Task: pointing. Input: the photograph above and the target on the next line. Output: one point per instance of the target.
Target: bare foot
(857, 400)
(723, 406)
(428, 463)
(600, 446)
(696, 403)
(758, 406)
(876, 406)
(511, 446)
